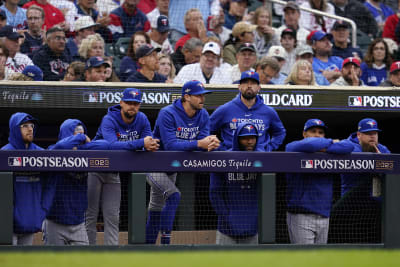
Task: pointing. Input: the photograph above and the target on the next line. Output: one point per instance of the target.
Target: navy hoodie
(179, 132)
(234, 198)
(352, 180)
(312, 192)
(113, 129)
(227, 117)
(33, 192)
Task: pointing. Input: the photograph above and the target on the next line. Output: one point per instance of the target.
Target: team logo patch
(355, 101)
(14, 161)
(307, 164)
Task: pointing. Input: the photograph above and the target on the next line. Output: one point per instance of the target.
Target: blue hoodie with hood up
(226, 118)
(234, 197)
(312, 192)
(354, 180)
(33, 191)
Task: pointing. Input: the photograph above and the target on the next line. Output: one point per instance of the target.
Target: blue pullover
(177, 131)
(234, 198)
(312, 192)
(352, 180)
(226, 118)
(33, 191)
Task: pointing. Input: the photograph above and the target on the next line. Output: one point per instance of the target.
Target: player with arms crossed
(309, 195)
(182, 126)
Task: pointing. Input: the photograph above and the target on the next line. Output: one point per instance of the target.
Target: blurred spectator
(178, 9)
(267, 68)
(3, 59)
(391, 29)
(95, 69)
(289, 42)
(246, 58)
(279, 53)
(52, 58)
(110, 73)
(379, 11)
(127, 19)
(235, 12)
(351, 73)
(161, 9)
(242, 32)
(106, 6)
(301, 74)
(376, 63)
(3, 18)
(394, 76)
(323, 62)
(34, 35)
(69, 10)
(312, 21)
(167, 67)
(16, 16)
(291, 20)
(128, 63)
(265, 35)
(16, 61)
(147, 5)
(356, 11)
(206, 71)
(91, 46)
(53, 16)
(216, 27)
(341, 46)
(147, 57)
(159, 35)
(305, 52)
(33, 72)
(75, 72)
(194, 26)
(190, 53)
(84, 26)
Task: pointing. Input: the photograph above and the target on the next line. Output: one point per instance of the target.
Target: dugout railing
(190, 162)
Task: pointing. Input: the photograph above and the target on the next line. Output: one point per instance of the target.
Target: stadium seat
(363, 41)
(110, 50)
(121, 47)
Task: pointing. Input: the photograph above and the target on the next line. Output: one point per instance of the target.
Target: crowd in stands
(202, 39)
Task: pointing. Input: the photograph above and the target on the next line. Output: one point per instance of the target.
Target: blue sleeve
(309, 145)
(217, 188)
(168, 135)
(277, 131)
(69, 142)
(342, 147)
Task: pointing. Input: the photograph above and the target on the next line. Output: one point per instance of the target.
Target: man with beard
(351, 73)
(123, 123)
(181, 126)
(358, 212)
(248, 107)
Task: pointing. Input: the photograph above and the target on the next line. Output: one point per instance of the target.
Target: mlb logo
(355, 101)
(15, 161)
(307, 164)
(91, 97)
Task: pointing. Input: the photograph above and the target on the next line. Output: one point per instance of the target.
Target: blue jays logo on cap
(314, 123)
(194, 88)
(250, 75)
(368, 125)
(132, 94)
(248, 130)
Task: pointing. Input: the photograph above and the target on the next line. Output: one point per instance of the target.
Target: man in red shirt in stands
(53, 16)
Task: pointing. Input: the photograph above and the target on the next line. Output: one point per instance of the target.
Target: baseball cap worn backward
(10, 32)
(368, 125)
(194, 88)
(84, 22)
(146, 50)
(314, 123)
(351, 60)
(395, 66)
(132, 94)
(95, 62)
(250, 75)
(248, 130)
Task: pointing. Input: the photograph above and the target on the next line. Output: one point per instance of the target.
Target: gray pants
(23, 239)
(222, 239)
(103, 189)
(162, 186)
(307, 228)
(61, 234)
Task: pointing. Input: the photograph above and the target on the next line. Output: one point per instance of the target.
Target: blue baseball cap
(162, 24)
(248, 130)
(3, 14)
(10, 32)
(146, 50)
(194, 88)
(314, 123)
(95, 62)
(319, 35)
(33, 72)
(249, 74)
(132, 94)
(368, 125)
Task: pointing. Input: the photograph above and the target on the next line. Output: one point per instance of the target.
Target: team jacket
(226, 118)
(54, 67)
(312, 192)
(235, 200)
(177, 131)
(33, 192)
(351, 180)
(113, 129)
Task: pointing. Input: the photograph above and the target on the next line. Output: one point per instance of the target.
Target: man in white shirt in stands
(246, 58)
(159, 35)
(206, 71)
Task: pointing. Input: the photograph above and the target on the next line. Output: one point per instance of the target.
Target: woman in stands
(128, 63)
(264, 35)
(167, 67)
(376, 63)
(312, 22)
(301, 74)
(91, 46)
(75, 72)
(110, 72)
